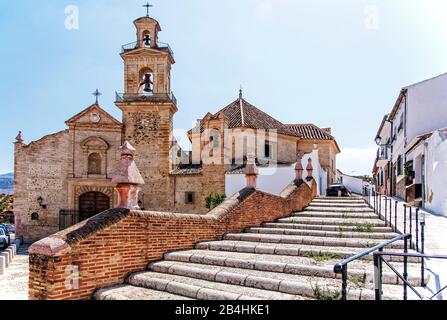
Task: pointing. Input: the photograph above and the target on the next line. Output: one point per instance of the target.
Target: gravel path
(14, 282)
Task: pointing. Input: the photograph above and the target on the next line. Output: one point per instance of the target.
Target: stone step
(338, 253)
(334, 221)
(290, 284)
(337, 198)
(338, 205)
(337, 209)
(203, 289)
(129, 292)
(298, 226)
(318, 233)
(341, 215)
(298, 266)
(337, 202)
(309, 240)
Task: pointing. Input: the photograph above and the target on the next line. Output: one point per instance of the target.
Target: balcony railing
(382, 156)
(142, 44)
(146, 97)
(68, 218)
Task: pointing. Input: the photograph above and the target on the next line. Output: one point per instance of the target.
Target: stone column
(309, 169)
(299, 168)
(127, 178)
(251, 172)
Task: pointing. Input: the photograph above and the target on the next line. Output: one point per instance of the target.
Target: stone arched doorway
(92, 203)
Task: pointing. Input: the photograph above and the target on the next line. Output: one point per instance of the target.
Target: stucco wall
(427, 105)
(272, 180)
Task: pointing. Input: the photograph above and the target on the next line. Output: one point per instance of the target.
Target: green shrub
(213, 199)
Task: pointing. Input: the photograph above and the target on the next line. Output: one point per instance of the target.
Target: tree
(213, 200)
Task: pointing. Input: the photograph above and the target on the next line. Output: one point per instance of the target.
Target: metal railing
(68, 218)
(382, 154)
(143, 44)
(385, 212)
(342, 267)
(379, 260)
(389, 212)
(146, 97)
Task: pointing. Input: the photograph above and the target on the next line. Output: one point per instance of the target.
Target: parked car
(9, 230)
(3, 239)
(337, 190)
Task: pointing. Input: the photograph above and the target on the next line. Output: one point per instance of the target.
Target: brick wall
(109, 246)
(401, 190)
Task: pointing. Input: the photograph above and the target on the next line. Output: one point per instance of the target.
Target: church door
(92, 203)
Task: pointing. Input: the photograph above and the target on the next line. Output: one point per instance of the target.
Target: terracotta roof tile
(310, 132)
(240, 113)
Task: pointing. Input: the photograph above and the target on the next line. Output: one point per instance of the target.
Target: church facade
(66, 177)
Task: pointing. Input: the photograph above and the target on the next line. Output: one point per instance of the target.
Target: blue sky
(337, 64)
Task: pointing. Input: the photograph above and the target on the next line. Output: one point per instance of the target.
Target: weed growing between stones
(358, 281)
(321, 293)
(366, 228)
(320, 257)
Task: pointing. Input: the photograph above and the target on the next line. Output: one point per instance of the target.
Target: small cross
(147, 6)
(97, 94)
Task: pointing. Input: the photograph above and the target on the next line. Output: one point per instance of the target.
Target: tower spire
(240, 92)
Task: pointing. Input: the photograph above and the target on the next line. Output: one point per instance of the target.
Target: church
(66, 177)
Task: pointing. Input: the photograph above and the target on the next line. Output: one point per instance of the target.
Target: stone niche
(95, 164)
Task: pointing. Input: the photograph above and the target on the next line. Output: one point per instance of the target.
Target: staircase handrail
(342, 267)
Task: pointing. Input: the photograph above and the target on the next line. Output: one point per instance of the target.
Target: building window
(399, 166)
(268, 150)
(94, 163)
(189, 197)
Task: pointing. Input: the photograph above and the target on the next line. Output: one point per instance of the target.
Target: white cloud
(357, 161)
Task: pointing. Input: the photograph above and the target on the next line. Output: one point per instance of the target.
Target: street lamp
(378, 140)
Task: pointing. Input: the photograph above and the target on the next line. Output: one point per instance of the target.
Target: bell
(147, 87)
(147, 83)
(147, 41)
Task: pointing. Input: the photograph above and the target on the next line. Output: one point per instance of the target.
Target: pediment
(94, 116)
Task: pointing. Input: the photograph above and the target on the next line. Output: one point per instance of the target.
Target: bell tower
(148, 106)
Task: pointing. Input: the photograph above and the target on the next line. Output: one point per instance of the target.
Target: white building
(274, 179)
(426, 155)
(420, 109)
(353, 184)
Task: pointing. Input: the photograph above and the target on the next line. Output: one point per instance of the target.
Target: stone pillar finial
(127, 178)
(251, 171)
(19, 138)
(309, 169)
(299, 167)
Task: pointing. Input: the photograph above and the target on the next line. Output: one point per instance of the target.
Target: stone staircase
(290, 259)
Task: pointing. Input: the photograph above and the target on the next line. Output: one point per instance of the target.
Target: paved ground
(14, 282)
(435, 243)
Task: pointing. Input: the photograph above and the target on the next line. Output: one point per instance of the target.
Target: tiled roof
(240, 113)
(310, 132)
(187, 170)
(240, 169)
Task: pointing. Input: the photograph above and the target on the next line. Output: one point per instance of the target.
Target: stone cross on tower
(97, 94)
(147, 6)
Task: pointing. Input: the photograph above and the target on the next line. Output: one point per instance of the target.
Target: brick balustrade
(117, 242)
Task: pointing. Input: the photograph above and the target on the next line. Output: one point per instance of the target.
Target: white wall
(274, 180)
(427, 107)
(436, 173)
(353, 184)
